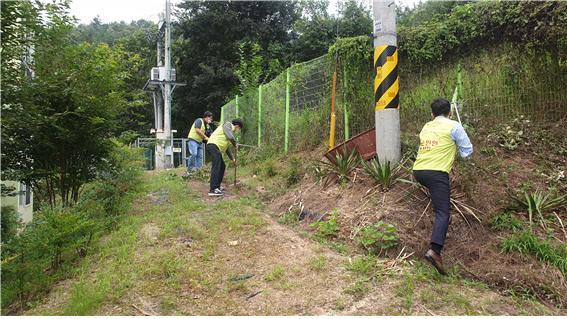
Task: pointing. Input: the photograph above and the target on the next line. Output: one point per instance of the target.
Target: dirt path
(182, 253)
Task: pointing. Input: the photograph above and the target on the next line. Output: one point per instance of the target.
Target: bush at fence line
(49, 245)
(306, 128)
(258, 154)
(248, 111)
(355, 77)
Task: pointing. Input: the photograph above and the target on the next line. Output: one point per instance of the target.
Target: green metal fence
(292, 111)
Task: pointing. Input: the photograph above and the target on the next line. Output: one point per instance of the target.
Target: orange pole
(333, 117)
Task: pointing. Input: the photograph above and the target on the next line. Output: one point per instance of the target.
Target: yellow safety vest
(219, 139)
(437, 149)
(193, 132)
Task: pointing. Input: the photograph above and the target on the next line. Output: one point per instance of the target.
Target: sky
(129, 10)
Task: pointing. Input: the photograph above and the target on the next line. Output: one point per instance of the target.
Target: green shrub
(35, 259)
(269, 169)
(293, 174)
(378, 237)
(10, 223)
(328, 228)
(50, 244)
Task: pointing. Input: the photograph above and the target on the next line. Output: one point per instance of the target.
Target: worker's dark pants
(217, 171)
(440, 190)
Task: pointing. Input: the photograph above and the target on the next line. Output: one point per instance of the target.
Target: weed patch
(328, 228)
(529, 244)
(506, 221)
(269, 169)
(318, 263)
(290, 218)
(359, 289)
(364, 266)
(378, 237)
(294, 173)
(277, 273)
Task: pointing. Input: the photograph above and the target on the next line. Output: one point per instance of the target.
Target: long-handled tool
(244, 145)
(235, 152)
(455, 105)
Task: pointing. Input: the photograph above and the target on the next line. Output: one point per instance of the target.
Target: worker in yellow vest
(219, 143)
(439, 140)
(197, 135)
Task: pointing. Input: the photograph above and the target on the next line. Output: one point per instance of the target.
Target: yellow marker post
(333, 117)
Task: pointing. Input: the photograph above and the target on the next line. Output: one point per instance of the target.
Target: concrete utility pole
(158, 105)
(167, 137)
(162, 84)
(386, 82)
(158, 97)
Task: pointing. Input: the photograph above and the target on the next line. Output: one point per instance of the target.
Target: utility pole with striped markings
(386, 82)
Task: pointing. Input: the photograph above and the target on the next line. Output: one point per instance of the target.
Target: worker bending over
(439, 140)
(216, 145)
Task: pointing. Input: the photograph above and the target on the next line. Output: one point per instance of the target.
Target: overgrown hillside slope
(178, 252)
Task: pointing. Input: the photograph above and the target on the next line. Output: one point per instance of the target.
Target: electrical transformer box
(159, 74)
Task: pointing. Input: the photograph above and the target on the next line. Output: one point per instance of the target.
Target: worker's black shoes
(216, 192)
(436, 261)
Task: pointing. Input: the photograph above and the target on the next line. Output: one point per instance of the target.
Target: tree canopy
(219, 41)
(56, 123)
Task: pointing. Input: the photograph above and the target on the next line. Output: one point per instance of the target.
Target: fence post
(222, 115)
(236, 116)
(287, 94)
(345, 106)
(259, 114)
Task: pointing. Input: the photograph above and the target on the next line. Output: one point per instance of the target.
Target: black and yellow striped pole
(386, 82)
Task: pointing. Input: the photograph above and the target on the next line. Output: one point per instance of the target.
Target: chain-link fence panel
(310, 99)
(355, 97)
(248, 112)
(492, 91)
(273, 113)
(229, 111)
